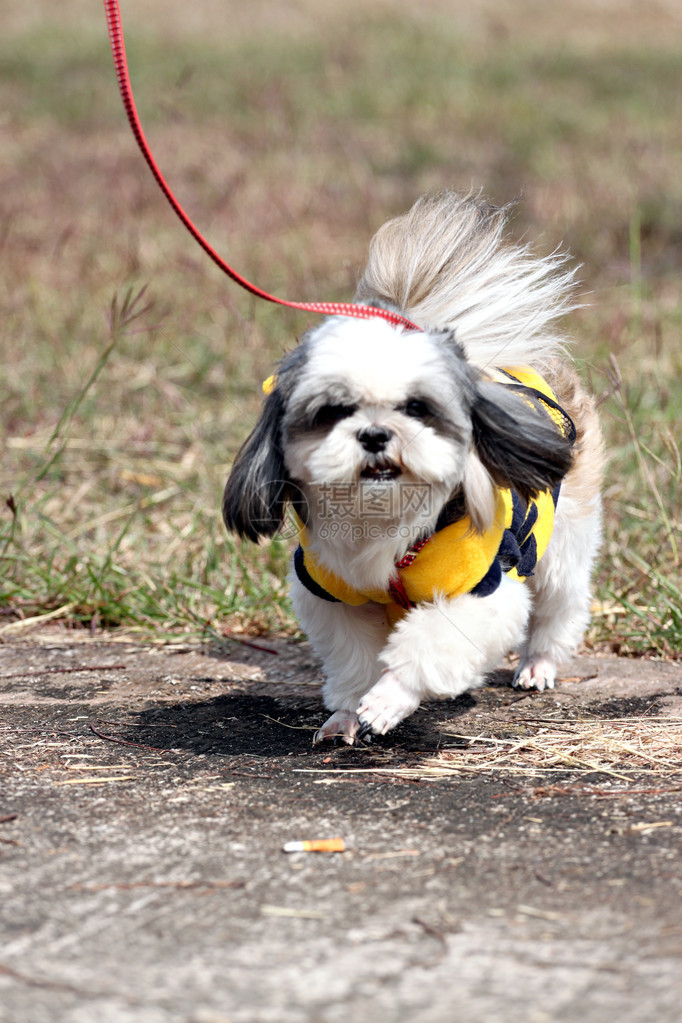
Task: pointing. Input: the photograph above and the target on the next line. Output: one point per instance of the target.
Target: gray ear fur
(258, 488)
(516, 442)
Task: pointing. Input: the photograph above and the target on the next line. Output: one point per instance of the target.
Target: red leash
(325, 308)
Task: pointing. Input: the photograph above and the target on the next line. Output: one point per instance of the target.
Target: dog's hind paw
(342, 726)
(537, 673)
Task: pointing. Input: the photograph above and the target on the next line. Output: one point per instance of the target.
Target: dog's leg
(348, 640)
(442, 649)
(561, 594)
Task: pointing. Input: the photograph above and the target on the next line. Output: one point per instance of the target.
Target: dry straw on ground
(614, 746)
(622, 748)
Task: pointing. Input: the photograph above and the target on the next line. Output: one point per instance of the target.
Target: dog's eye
(416, 409)
(330, 414)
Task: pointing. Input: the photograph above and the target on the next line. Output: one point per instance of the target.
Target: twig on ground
(126, 742)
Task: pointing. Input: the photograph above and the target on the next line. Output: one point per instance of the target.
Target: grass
(122, 407)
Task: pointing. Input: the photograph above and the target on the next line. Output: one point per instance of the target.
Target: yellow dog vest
(455, 559)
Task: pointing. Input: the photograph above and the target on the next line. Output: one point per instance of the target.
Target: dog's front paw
(537, 673)
(342, 726)
(385, 705)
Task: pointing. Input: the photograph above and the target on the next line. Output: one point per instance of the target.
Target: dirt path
(529, 872)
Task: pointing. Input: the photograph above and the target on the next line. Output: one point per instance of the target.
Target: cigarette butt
(317, 845)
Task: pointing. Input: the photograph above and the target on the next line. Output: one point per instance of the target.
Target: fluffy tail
(444, 265)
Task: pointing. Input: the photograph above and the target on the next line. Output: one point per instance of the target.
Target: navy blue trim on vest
(307, 580)
(518, 547)
(490, 581)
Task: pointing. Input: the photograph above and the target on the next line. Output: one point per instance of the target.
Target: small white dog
(445, 481)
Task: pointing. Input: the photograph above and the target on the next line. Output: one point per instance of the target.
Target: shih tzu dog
(444, 481)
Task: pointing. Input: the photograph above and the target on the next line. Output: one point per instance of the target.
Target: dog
(445, 481)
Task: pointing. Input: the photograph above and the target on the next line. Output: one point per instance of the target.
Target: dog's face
(374, 409)
(365, 405)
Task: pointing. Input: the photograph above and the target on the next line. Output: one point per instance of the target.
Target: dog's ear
(516, 441)
(258, 487)
(479, 493)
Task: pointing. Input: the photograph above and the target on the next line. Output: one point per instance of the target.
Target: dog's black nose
(375, 438)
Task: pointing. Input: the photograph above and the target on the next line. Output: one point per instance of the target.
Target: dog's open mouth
(381, 471)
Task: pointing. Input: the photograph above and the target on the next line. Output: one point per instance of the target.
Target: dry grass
(291, 132)
(625, 749)
(607, 746)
